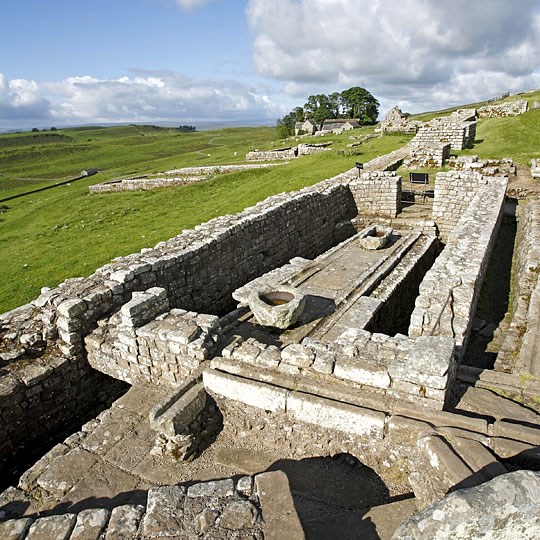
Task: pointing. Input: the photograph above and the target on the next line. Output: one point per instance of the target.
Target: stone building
(307, 126)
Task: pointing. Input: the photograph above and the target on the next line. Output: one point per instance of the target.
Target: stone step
(486, 403)
(443, 465)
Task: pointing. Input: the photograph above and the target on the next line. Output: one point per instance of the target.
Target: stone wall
(450, 290)
(510, 108)
(41, 398)
(420, 370)
(272, 155)
(145, 342)
(144, 184)
(459, 134)
(487, 167)
(428, 155)
(377, 193)
(452, 195)
(175, 177)
(519, 342)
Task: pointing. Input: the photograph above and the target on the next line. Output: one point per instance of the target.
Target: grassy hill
(66, 232)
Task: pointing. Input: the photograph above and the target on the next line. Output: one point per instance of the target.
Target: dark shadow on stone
(137, 496)
(333, 494)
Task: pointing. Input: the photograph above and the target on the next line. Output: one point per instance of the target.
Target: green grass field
(66, 232)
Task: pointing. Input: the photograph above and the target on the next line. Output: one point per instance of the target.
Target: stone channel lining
(518, 349)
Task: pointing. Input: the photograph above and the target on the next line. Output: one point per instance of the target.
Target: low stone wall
(172, 178)
(144, 184)
(377, 193)
(516, 351)
(420, 370)
(145, 342)
(429, 155)
(487, 167)
(409, 127)
(272, 155)
(450, 290)
(459, 134)
(511, 108)
(42, 398)
(254, 507)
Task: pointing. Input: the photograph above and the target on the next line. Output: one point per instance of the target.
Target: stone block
(336, 415)
(90, 524)
(164, 511)
(52, 527)
(124, 522)
(256, 394)
(278, 509)
(355, 370)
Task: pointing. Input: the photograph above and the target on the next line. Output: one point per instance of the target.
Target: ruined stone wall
(145, 342)
(450, 290)
(511, 108)
(459, 134)
(452, 195)
(520, 336)
(377, 193)
(429, 155)
(144, 184)
(44, 397)
(419, 371)
(272, 155)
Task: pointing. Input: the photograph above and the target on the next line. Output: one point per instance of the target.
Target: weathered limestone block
(124, 522)
(502, 509)
(164, 511)
(336, 415)
(353, 369)
(52, 527)
(278, 509)
(256, 394)
(15, 529)
(90, 524)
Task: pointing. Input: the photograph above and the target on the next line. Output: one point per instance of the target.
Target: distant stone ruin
(287, 153)
(509, 108)
(221, 423)
(172, 178)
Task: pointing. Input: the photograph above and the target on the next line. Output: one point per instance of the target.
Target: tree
(358, 103)
(318, 108)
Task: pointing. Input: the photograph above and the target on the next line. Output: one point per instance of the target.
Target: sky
(72, 62)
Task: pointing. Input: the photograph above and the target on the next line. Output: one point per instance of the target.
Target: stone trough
(279, 308)
(375, 237)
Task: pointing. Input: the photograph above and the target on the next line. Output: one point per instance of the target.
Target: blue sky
(65, 62)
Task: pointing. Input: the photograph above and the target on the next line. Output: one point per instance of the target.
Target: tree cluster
(355, 103)
(186, 129)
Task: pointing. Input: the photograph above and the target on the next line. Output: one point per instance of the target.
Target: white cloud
(190, 4)
(411, 50)
(150, 96)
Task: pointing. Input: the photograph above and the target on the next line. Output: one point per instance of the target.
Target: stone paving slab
(247, 461)
(65, 471)
(105, 483)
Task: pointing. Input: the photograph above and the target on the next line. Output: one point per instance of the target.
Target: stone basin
(375, 237)
(280, 307)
